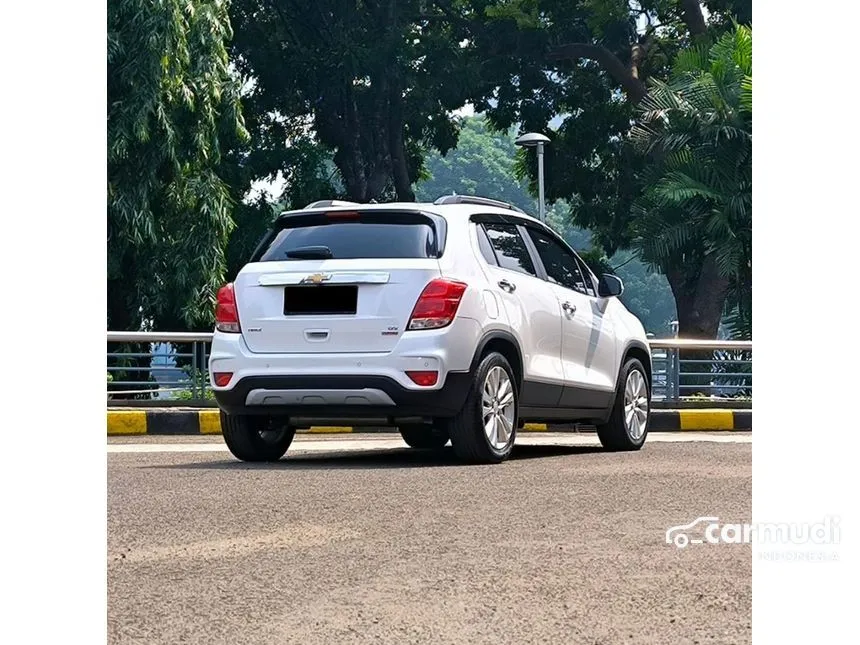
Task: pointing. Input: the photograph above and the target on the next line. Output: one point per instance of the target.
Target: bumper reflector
(423, 378)
(223, 378)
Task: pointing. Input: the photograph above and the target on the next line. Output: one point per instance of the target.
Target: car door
(531, 307)
(588, 340)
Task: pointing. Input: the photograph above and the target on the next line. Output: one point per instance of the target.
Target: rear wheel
(256, 438)
(485, 429)
(628, 422)
(424, 437)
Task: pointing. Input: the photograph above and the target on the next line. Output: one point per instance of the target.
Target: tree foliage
(356, 100)
(483, 163)
(378, 80)
(595, 62)
(697, 202)
(173, 107)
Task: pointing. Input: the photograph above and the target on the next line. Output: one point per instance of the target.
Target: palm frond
(746, 93)
(679, 187)
(691, 60)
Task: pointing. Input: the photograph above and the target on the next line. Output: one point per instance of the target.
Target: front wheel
(485, 429)
(627, 426)
(256, 437)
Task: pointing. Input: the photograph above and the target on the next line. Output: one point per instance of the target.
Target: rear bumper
(449, 349)
(356, 397)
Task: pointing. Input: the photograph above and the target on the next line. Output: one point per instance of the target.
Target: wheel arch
(506, 344)
(640, 351)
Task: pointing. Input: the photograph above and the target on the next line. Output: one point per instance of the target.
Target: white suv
(457, 320)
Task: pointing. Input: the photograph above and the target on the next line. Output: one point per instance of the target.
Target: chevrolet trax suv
(453, 321)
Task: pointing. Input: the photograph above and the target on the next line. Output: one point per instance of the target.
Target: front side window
(590, 285)
(561, 266)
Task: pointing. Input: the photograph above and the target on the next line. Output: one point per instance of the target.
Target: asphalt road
(357, 540)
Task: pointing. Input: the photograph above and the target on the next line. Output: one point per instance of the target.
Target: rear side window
(485, 246)
(365, 237)
(510, 248)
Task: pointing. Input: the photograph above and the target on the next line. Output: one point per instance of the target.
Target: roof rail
(472, 199)
(325, 203)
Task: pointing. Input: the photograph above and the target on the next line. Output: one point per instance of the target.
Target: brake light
(342, 215)
(423, 378)
(226, 312)
(437, 305)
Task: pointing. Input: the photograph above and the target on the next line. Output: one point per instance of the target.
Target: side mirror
(609, 285)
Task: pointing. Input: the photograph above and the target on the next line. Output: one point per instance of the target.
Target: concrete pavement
(359, 539)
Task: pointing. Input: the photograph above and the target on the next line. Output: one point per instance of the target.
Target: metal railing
(180, 372)
(682, 370)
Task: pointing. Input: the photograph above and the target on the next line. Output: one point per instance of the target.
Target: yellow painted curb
(329, 429)
(126, 422)
(706, 419)
(535, 427)
(210, 421)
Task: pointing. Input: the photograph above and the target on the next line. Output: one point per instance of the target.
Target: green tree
(308, 173)
(591, 62)
(376, 80)
(173, 109)
(484, 162)
(694, 217)
(481, 163)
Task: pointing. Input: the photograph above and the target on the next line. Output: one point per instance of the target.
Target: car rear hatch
(337, 281)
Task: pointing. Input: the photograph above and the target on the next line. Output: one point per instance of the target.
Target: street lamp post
(537, 140)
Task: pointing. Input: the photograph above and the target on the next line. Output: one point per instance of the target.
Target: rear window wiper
(310, 253)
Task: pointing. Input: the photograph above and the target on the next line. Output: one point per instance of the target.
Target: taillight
(226, 313)
(437, 305)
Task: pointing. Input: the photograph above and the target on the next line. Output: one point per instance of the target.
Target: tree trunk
(397, 146)
(350, 158)
(700, 297)
(352, 173)
(693, 17)
(627, 76)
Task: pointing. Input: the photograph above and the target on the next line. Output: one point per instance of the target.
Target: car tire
(627, 426)
(473, 438)
(424, 437)
(256, 437)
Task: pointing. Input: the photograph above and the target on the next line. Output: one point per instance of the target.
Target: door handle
(569, 309)
(510, 287)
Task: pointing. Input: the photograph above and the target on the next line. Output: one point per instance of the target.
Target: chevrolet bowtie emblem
(316, 278)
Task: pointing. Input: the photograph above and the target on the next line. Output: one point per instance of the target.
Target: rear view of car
(452, 321)
(309, 328)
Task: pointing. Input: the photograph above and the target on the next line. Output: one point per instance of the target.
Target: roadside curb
(125, 422)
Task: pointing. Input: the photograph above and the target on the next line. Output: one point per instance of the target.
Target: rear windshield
(367, 237)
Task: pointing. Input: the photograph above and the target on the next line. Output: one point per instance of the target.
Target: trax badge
(316, 278)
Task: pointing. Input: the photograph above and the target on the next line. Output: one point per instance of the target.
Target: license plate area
(324, 300)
